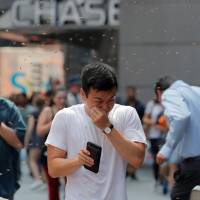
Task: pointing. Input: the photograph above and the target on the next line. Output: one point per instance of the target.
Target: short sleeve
(149, 108)
(15, 121)
(58, 133)
(133, 128)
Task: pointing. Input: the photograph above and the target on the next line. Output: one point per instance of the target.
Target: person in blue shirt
(12, 131)
(182, 108)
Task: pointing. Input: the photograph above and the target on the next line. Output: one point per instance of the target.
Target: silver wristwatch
(108, 129)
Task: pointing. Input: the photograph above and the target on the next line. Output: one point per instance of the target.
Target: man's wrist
(107, 125)
(108, 129)
(165, 151)
(77, 161)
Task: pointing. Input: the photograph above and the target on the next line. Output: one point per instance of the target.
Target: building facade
(143, 39)
(159, 37)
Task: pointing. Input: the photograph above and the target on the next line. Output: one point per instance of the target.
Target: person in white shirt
(115, 128)
(153, 111)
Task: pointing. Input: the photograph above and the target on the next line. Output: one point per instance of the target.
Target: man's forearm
(10, 137)
(59, 167)
(132, 152)
(147, 120)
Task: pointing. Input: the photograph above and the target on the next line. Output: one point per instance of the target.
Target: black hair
(39, 101)
(61, 88)
(99, 76)
(51, 94)
(164, 83)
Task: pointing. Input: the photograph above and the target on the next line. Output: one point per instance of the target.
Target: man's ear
(83, 95)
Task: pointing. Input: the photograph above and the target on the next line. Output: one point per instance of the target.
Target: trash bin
(195, 194)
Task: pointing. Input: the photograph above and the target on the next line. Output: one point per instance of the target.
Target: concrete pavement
(142, 189)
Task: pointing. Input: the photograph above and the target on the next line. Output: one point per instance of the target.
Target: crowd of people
(54, 128)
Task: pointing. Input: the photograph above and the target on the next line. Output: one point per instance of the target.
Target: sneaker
(134, 177)
(36, 184)
(42, 188)
(165, 187)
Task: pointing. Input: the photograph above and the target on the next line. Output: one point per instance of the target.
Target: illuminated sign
(78, 12)
(29, 69)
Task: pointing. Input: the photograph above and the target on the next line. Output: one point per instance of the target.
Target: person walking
(33, 143)
(91, 143)
(43, 126)
(132, 100)
(12, 131)
(182, 109)
(153, 111)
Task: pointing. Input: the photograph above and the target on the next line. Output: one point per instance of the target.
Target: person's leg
(11, 198)
(154, 151)
(33, 160)
(53, 185)
(27, 161)
(34, 157)
(155, 168)
(172, 168)
(185, 181)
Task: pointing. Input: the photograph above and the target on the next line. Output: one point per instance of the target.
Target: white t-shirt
(154, 110)
(72, 129)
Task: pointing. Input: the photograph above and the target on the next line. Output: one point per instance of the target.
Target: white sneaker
(43, 187)
(36, 184)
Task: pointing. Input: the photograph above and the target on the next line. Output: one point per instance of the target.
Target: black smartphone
(95, 154)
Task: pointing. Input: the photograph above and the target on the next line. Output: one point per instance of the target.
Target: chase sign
(65, 12)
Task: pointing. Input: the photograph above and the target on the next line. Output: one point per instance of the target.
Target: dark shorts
(36, 142)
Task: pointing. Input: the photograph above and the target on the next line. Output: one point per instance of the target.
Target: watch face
(107, 130)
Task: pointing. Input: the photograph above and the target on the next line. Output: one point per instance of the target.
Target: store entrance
(69, 50)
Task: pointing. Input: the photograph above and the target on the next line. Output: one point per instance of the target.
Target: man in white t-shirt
(115, 128)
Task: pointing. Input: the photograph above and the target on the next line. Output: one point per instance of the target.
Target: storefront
(73, 32)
